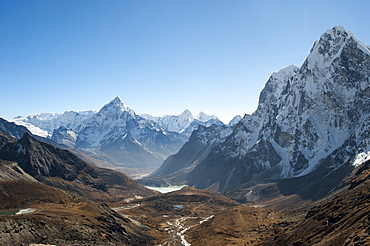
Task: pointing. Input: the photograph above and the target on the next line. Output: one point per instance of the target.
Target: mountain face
(177, 167)
(65, 136)
(310, 118)
(46, 163)
(126, 138)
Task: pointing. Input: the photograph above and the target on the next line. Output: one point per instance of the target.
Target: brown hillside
(62, 169)
(61, 218)
(239, 226)
(340, 219)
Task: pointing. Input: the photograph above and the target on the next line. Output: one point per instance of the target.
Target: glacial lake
(166, 189)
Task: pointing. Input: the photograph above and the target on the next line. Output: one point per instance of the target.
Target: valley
(295, 172)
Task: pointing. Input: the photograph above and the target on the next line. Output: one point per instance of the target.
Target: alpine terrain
(117, 136)
(295, 172)
(311, 122)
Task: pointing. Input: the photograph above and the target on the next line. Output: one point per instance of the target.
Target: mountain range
(117, 135)
(300, 164)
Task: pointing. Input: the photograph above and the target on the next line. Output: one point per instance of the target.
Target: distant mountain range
(117, 135)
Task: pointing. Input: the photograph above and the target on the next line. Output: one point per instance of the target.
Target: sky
(160, 56)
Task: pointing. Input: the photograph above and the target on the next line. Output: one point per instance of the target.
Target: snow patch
(166, 189)
(33, 129)
(361, 158)
(26, 211)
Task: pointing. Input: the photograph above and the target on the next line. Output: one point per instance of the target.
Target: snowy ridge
(204, 117)
(44, 124)
(173, 123)
(330, 46)
(184, 123)
(114, 134)
(32, 128)
(235, 120)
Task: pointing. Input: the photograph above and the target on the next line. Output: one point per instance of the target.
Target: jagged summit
(116, 106)
(331, 45)
(118, 100)
(274, 87)
(235, 120)
(205, 117)
(184, 123)
(187, 115)
(285, 73)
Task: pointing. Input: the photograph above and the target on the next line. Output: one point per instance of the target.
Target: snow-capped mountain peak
(330, 45)
(185, 123)
(118, 101)
(186, 115)
(204, 117)
(312, 118)
(235, 120)
(115, 108)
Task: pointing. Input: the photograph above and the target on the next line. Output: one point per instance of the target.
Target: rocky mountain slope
(60, 168)
(60, 218)
(175, 169)
(65, 194)
(12, 129)
(10, 170)
(314, 117)
(339, 219)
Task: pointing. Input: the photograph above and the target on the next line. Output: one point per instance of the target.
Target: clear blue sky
(159, 56)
